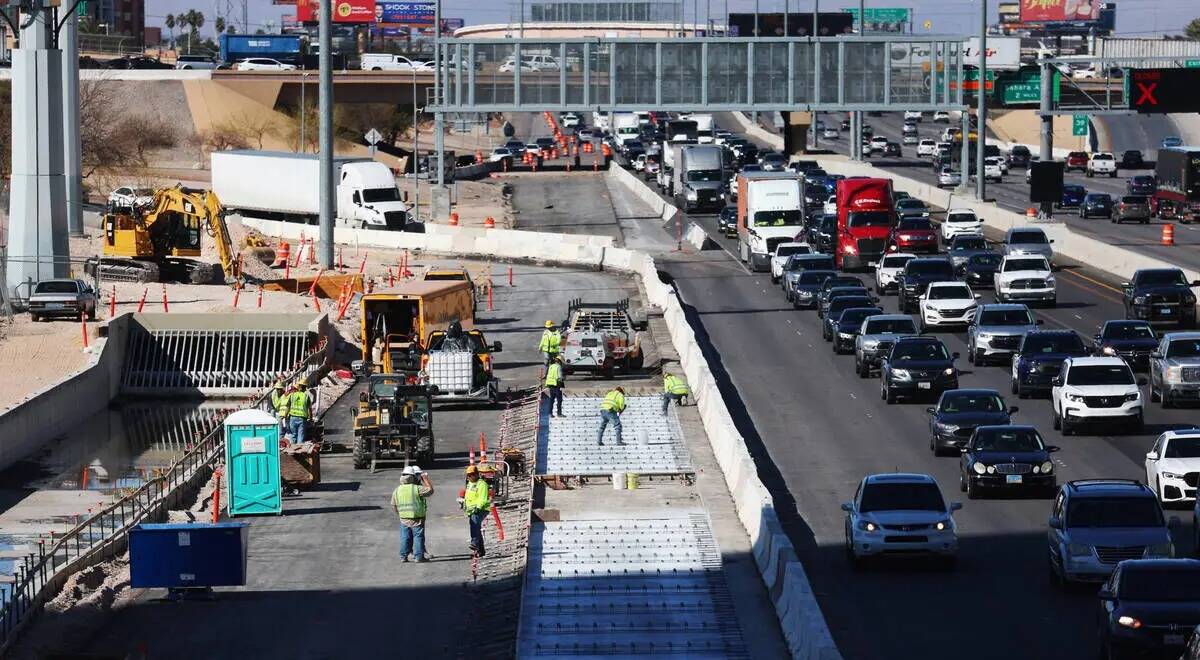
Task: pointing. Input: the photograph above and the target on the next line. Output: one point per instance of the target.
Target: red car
(1076, 160)
(915, 235)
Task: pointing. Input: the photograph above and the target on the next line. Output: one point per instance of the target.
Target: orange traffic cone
(1168, 234)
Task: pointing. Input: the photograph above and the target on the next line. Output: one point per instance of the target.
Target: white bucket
(618, 480)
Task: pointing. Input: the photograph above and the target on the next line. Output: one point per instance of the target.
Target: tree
(1193, 29)
(113, 139)
(169, 21)
(219, 24)
(353, 120)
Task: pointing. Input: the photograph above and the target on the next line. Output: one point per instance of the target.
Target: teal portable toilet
(252, 480)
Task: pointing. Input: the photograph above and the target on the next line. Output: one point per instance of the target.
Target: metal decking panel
(622, 587)
(653, 443)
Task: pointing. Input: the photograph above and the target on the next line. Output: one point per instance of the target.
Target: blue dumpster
(252, 480)
(188, 555)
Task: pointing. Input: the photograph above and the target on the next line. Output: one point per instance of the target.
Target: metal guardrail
(41, 575)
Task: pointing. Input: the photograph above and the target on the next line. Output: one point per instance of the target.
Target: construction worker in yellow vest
(299, 412)
(554, 384)
(409, 503)
(279, 404)
(673, 389)
(551, 343)
(477, 502)
(610, 413)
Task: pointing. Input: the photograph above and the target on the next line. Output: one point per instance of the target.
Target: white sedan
(831, 133)
(947, 303)
(500, 153)
(263, 64)
(782, 252)
(926, 148)
(1174, 456)
(949, 177)
(830, 207)
(129, 197)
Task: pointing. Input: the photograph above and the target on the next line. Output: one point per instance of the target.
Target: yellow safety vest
(280, 403)
(674, 385)
(477, 497)
(550, 342)
(614, 401)
(554, 375)
(299, 404)
(408, 502)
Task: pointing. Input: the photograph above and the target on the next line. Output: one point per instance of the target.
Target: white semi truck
(704, 128)
(286, 186)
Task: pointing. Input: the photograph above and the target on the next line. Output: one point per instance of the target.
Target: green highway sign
(1192, 64)
(1079, 125)
(882, 14)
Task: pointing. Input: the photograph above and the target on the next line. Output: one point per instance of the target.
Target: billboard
(344, 11)
(1060, 11)
(1010, 12)
(405, 13)
(1002, 52)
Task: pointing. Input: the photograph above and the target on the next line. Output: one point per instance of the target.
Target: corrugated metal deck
(626, 587)
(653, 443)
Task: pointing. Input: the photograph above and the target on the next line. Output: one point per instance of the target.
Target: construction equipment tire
(362, 457)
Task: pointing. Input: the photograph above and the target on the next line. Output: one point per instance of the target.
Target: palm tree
(219, 24)
(170, 23)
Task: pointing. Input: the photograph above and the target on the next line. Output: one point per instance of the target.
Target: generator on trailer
(602, 338)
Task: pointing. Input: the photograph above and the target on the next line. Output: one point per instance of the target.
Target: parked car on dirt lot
(62, 297)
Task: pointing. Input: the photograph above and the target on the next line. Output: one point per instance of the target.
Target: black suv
(1007, 457)
(915, 366)
(1018, 157)
(845, 299)
(1161, 296)
(1132, 340)
(837, 282)
(917, 276)
(1040, 358)
(727, 221)
(1149, 606)
(1132, 159)
(1142, 184)
(958, 412)
(822, 231)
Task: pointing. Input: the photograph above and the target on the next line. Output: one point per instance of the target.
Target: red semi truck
(866, 214)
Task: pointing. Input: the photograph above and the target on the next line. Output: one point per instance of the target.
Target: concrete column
(981, 112)
(1047, 145)
(68, 41)
(965, 155)
(37, 241)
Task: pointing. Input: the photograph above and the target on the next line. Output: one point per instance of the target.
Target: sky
(1135, 18)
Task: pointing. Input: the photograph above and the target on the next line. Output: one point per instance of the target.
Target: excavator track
(114, 269)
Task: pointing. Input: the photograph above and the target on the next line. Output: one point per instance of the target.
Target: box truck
(704, 128)
(865, 217)
(625, 127)
(285, 186)
(1177, 196)
(699, 178)
(770, 211)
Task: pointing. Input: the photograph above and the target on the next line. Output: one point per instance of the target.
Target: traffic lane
(1003, 541)
(1142, 132)
(824, 429)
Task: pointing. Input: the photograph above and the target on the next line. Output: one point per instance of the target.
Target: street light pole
(981, 111)
(325, 126)
(416, 161)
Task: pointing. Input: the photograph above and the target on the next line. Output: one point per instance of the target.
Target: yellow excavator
(159, 242)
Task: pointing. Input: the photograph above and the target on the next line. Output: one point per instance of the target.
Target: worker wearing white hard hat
(409, 501)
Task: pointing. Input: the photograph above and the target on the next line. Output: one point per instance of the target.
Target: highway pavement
(1142, 132)
(817, 428)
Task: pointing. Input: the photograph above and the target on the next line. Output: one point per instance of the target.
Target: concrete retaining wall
(27, 428)
(800, 616)
(638, 188)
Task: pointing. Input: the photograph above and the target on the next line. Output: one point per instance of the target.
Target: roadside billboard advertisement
(1059, 11)
(406, 13)
(1002, 52)
(344, 11)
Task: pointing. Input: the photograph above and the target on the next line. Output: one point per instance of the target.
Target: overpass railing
(717, 74)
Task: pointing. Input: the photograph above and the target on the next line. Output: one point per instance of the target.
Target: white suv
(1173, 464)
(946, 303)
(1102, 163)
(888, 270)
(926, 148)
(1095, 389)
(878, 144)
(781, 254)
(960, 221)
(1025, 278)
(912, 115)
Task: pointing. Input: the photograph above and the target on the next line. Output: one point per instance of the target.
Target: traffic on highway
(983, 437)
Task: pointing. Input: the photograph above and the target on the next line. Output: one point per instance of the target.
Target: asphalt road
(1126, 132)
(818, 429)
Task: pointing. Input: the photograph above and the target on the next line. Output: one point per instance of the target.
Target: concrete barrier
(755, 131)
(630, 183)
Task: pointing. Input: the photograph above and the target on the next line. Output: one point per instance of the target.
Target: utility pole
(416, 161)
(1046, 152)
(37, 245)
(439, 139)
(981, 111)
(325, 75)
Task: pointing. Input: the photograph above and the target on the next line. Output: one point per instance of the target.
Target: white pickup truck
(1102, 163)
(1025, 278)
